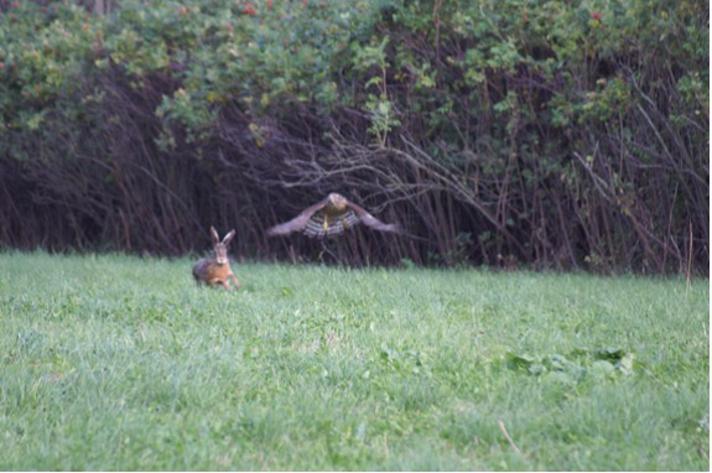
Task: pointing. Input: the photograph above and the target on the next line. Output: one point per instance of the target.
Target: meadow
(117, 362)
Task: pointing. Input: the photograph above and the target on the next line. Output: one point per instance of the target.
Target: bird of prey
(330, 217)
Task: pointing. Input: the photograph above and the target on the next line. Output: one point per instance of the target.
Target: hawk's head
(337, 201)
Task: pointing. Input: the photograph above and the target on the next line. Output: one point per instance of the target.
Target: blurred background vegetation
(551, 134)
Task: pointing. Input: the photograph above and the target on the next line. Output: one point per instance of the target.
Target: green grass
(114, 362)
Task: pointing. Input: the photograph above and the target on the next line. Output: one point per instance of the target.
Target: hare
(215, 269)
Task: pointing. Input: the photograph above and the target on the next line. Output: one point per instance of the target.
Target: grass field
(114, 362)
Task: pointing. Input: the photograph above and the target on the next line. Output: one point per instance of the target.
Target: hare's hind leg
(235, 280)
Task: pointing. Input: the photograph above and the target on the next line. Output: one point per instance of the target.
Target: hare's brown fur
(208, 271)
(215, 269)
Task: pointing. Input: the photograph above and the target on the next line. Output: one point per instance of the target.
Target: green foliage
(611, 100)
(43, 56)
(275, 53)
(217, 51)
(119, 363)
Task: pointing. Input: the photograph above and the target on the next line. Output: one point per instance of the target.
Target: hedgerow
(546, 133)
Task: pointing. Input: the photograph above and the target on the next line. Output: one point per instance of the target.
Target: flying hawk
(330, 217)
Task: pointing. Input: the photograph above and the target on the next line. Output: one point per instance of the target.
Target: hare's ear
(228, 238)
(214, 235)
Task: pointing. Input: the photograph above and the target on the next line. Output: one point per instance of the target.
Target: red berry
(249, 9)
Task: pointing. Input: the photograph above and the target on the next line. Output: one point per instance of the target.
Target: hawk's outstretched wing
(371, 221)
(299, 222)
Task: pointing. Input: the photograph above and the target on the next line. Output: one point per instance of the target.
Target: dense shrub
(548, 133)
